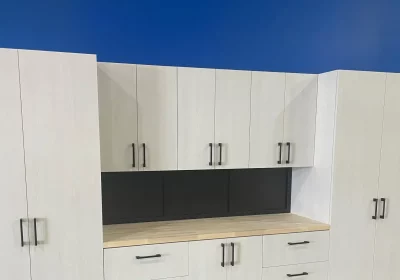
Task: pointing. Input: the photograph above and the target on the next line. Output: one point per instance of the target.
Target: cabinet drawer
(146, 262)
(295, 248)
(309, 271)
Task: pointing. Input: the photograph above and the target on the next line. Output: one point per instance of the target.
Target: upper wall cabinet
(232, 118)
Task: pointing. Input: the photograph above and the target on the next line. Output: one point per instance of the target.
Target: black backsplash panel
(130, 197)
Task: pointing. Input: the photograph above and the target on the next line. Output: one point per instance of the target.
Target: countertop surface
(201, 229)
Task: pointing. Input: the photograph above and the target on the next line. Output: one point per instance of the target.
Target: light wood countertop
(201, 229)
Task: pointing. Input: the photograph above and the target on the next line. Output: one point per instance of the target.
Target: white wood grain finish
(355, 173)
(248, 257)
(277, 251)
(232, 118)
(121, 263)
(205, 258)
(62, 157)
(316, 271)
(299, 122)
(157, 118)
(387, 243)
(14, 259)
(267, 113)
(118, 116)
(196, 99)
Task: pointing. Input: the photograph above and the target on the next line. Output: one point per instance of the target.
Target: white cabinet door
(232, 118)
(267, 111)
(208, 260)
(62, 157)
(245, 258)
(355, 174)
(300, 116)
(14, 258)
(157, 118)
(387, 243)
(118, 117)
(196, 99)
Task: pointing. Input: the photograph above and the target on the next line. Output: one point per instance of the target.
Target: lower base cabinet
(309, 271)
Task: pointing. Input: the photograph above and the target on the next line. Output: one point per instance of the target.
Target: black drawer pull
(35, 230)
(220, 153)
(288, 154)
(296, 275)
(148, 257)
(22, 232)
(211, 161)
(280, 153)
(298, 243)
(133, 155)
(223, 255)
(233, 254)
(144, 154)
(384, 208)
(374, 217)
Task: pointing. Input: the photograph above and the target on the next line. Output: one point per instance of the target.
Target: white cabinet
(267, 114)
(14, 256)
(157, 117)
(232, 118)
(62, 160)
(310, 271)
(196, 99)
(118, 117)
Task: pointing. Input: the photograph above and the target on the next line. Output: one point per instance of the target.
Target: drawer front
(295, 248)
(309, 271)
(146, 262)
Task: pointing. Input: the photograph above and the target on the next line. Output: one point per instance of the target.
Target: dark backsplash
(130, 197)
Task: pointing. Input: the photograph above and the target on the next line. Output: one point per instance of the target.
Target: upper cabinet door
(196, 99)
(62, 157)
(158, 117)
(14, 256)
(118, 117)
(300, 118)
(267, 111)
(232, 119)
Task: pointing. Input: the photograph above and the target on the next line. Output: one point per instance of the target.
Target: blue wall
(278, 35)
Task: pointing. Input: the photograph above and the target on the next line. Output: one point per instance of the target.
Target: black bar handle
(211, 148)
(22, 232)
(233, 254)
(223, 255)
(298, 243)
(144, 154)
(296, 275)
(220, 153)
(376, 209)
(133, 155)
(148, 257)
(384, 208)
(280, 153)
(35, 231)
(288, 154)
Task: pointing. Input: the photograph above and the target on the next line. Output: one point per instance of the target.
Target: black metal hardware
(295, 275)
(133, 155)
(144, 154)
(211, 146)
(288, 154)
(233, 254)
(280, 153)
(220, 153)
(22, 232)
(384, 208)
(298, 243)
(35, 230)
(223, 255)
(148, 257)
(376, 209)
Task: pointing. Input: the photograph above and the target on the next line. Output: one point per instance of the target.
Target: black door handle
(298, 243)
(295, 275)
(148, 257)
(211, 146)
(288, 154)
(220, 153)
(376, 209)
(223, 255)
(35, 231)
(383, 208)
(144, 154)
(133, 155)
(22, 232)
(233, 254)
(280, 153)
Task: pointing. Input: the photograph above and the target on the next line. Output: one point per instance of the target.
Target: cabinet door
(355, 173)
(118, 117)
(300, 116)
(62, 157)
(158, 117)
(387, 243)
(208, 260)
(245, 258)
(267, 111)
(196, 99)
(14, 258)
(232, 118)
